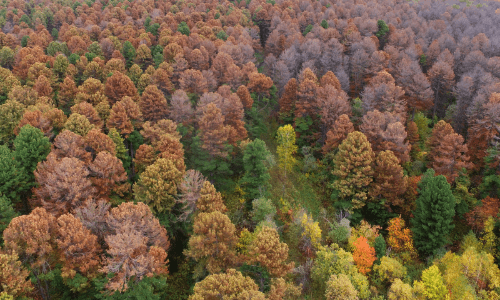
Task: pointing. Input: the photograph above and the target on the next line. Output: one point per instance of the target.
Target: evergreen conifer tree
(256, 178)
(433, 217)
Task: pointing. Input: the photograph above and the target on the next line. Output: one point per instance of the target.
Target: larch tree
(137, 248)
(92, 214)
(386, 132)
(383, 94)
(108, 175)
(63, 184)
(144, 157)
(418, 92)
(339, 131)
(158, 185)
(213, 132)
(440, 130)
(441, 77)
(433, 216)
(78, 248)
(190, 192)
(449, 157)
(231, 285)
(13, 276)
(353, 169)
(125, 116)
(286, 148)
(389, 182)
(86, 109)
(181, 109)
(153, 104)
(332, 103)
(256, 178)
(78, 124)
(11, 112)
(96, 142)
(32, 237)
(267, 250)
(244, 96)
(287, 101)
(213, 242)
(209, 200)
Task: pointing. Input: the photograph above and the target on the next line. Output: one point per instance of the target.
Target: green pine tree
(10, 185)
(128, 52)
(121, 150)
(433, 217)
(256, 178)
(31, 147)
(7, 213)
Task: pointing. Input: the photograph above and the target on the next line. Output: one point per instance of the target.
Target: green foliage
(222, 35)
(55, 33)
(128, 52)
(6, 57)
(307, 30)
(256, 178)
(332, 260)
(262, 209)
(31, 147)
(259, 274)
(423, 126)
(433, 217)
(380, 247)
(24, 41)
(183, 28)
(135, 139)
(73, 58)
(383, 29)
(7, 213)
(10, 175)
(121, 151)
(324, 24)
(149, 288)
(340, 232)
(90, 56)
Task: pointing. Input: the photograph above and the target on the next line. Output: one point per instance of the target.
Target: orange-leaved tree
(364, 255)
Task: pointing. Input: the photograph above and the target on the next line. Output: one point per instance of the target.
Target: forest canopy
(257, 149)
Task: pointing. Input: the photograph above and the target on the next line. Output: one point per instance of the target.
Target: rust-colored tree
(448, 157)
(287, 101)
(213, 132)
(153, 104)
(209, 199)
(118, 86)
(213, 241)
(489, 207)
(389, 182)
(342, 127)
(32, 237)
(78, 248)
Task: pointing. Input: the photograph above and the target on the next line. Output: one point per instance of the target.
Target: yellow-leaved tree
(286, 148)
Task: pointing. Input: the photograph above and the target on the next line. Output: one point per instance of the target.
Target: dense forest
(255, 149)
